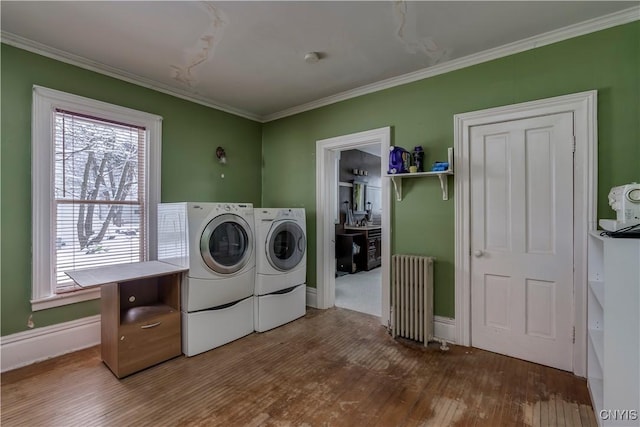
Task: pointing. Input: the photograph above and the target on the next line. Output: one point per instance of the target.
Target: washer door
(286, 245)
(226, 244)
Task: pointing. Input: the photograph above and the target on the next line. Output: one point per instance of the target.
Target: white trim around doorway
(584, 108)
(326, 152)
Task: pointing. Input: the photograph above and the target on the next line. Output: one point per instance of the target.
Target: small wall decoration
(221, 155)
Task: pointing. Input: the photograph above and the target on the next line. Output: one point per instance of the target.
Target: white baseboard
(25, 348)
(444, 328)
(312, 297)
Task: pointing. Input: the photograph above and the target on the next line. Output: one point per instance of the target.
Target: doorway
(327, 213)
(358, 231)
(581, 109)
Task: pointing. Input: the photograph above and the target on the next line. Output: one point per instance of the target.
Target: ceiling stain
(204, 47)
(407, 34)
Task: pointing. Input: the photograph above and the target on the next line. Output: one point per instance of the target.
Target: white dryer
(281, 266)
(215, 241)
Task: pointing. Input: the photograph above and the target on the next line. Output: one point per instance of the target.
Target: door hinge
(574, 335)
(573, 142)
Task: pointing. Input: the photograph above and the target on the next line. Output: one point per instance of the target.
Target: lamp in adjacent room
(221, 155)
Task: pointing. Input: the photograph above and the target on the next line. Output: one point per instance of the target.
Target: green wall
(190, 171)
(421, 113)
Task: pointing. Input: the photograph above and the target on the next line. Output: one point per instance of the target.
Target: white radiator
(412, 297)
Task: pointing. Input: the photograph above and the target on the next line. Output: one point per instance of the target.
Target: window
(96, 184)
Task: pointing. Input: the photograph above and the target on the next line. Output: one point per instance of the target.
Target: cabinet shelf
(597, 340)
(596, 387)
(597, 288)
(145, 313)
(396, 179)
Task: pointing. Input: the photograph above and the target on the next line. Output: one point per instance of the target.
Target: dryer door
(286, 245)
(226, 244)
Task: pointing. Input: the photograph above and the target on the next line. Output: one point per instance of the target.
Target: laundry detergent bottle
(398, 160)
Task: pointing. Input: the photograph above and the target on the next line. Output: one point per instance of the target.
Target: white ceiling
(247, 57)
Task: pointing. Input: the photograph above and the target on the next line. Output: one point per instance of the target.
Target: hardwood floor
(332, 367)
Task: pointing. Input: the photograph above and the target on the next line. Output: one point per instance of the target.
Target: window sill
(65, 299)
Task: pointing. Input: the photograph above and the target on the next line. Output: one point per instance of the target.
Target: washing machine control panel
(238, 209)
(290, 213)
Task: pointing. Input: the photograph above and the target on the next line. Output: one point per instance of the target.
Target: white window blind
(99, 198)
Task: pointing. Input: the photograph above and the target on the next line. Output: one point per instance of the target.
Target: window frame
(45, 102)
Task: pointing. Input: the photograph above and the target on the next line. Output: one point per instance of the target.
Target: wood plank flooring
(331, 368)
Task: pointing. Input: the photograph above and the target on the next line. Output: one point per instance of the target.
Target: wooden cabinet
(347, 257)
(140, 313)
(613, 349)
(374, 248)
(369, 239)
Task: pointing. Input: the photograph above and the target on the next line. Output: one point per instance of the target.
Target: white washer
(281, 266)
(215, 241)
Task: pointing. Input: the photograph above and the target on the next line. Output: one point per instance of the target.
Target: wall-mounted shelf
(396, 179)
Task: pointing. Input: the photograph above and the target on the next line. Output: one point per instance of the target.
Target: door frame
(583, 105)
(326, 201)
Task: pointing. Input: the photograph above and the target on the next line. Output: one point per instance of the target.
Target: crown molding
(601, 23)
(98, 67)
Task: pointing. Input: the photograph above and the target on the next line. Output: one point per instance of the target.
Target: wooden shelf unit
(140, 313)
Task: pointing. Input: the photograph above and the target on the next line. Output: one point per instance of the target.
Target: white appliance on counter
(625, 200)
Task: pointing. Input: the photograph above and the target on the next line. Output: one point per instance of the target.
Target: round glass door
(286, 246)
(226, 244)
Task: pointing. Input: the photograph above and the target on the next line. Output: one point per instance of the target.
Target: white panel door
(522, 239)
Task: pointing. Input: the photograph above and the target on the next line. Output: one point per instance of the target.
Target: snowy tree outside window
(98, 193)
